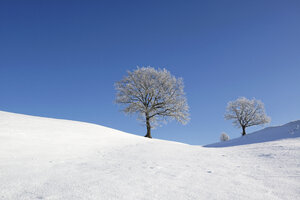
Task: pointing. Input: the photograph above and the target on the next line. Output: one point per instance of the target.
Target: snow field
(42, 158)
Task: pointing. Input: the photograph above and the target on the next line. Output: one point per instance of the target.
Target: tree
(155, 95)
(224, 137)
(246, 113)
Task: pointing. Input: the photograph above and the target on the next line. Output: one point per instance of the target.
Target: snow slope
(289, 130)
(43, 158)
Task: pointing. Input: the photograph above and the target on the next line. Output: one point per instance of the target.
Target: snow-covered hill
(43, 158)
(289, 130)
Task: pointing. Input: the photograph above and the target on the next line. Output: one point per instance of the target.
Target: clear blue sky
(61, 58)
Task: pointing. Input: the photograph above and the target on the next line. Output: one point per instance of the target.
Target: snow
(42, 158)
(289, 130)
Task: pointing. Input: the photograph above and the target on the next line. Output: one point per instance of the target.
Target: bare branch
(154, 94)
(246, 113)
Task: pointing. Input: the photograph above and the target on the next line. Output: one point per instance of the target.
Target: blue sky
(60, 59)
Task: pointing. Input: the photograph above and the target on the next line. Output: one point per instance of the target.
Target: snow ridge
(289, 130)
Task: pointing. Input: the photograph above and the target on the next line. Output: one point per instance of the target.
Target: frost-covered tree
(245, 113)
(155, 95)
(224, 137)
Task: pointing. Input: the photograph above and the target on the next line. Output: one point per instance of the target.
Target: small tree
(155, 95)
(246, 113)
(224, 137)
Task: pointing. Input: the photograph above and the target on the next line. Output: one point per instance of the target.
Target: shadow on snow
(289, 130)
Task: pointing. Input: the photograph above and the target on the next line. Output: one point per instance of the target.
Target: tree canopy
(155, 95)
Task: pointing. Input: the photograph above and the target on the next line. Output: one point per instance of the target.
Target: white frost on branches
(154, 95)
(224, 137)
(245, 113)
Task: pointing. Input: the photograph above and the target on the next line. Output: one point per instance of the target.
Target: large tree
(245, 113)
(155, 95)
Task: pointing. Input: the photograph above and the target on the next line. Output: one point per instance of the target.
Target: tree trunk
(148, 135)
(244, 130)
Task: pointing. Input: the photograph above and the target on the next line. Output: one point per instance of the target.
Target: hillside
(42, 158)
(289, 130)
